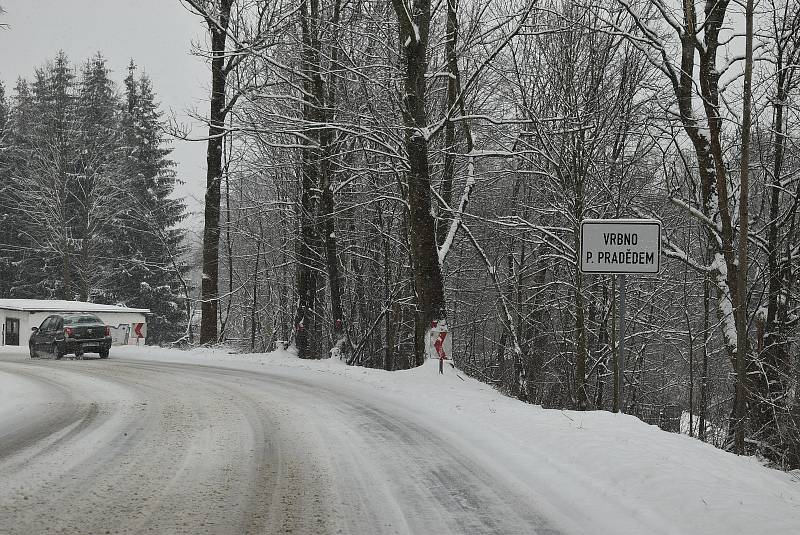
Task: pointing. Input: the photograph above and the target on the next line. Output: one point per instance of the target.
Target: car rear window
(83, 319)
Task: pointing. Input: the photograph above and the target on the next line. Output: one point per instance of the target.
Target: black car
(76, 333)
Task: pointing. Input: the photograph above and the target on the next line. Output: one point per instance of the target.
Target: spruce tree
(87, 210)
(44, 176)
(3, 114)
(7, 252)
(12, 241)
(157, 278)
(99, 187)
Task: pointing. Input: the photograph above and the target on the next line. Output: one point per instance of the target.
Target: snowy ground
(212, 437)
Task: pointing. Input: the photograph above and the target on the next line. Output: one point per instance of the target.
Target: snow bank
(597, 472)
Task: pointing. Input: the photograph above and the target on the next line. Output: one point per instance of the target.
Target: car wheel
(33, 351)
(104, 353)
(57, 352)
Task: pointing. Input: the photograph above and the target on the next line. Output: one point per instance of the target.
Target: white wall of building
(28, 320)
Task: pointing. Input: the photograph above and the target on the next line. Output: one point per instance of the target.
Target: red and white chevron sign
(440, 341)
(438, 344)
(140, 330)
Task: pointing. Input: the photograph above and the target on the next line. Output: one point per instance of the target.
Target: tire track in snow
(407, 478)
(176, 448)
(55, 415)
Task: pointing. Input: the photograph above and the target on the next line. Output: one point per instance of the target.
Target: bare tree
(414, 22)
(216, 14)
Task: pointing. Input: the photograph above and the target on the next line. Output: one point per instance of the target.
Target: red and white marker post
(440, 343)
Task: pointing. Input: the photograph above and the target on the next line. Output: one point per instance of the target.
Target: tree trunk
(327, 139)
(391, 316)
(255, 289)
(209, 292)
(690, 343)
(429, 286)
(451, 39)
(581, 398)
(713, 174)
(85, 268)
(308, 244)
(775, 361)
(223, 318)
(66, 291)
(702, 412)
(306, 277)
(741, 288)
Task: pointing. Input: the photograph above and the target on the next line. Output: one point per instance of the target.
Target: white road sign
(620, 246)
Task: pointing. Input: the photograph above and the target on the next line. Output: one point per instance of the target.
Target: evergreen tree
(3, 112)
(100, 188)
(156, 278)
(86, 206)
(7, 254)
(16, 129)
(44, 176)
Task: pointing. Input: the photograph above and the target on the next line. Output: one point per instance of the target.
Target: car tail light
(68, 332)
(108, 330)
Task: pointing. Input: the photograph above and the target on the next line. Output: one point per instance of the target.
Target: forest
(376, 166)
(86, 211)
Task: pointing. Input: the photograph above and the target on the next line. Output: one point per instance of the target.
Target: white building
(19, 316)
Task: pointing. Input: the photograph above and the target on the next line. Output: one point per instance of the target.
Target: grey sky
(156, 34)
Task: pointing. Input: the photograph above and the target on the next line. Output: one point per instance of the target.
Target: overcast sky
(156, 34)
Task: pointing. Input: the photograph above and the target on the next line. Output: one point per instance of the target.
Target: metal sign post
(620, 247)
(620, 344)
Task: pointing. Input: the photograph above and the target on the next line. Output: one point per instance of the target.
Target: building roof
(56, 305)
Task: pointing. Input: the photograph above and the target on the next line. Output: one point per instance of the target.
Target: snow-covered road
(203, 441)
(130, 446)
